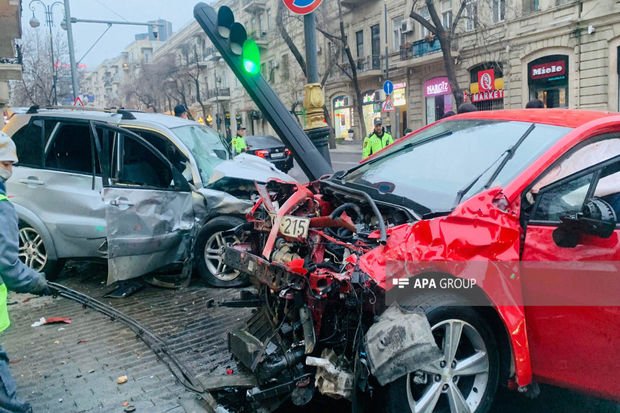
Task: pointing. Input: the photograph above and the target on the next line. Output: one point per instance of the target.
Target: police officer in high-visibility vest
(238, 142)
(14, 275)
(376, 141)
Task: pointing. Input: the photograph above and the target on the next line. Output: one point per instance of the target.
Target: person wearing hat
(238, 142)
(14, 274)
(376, 141)
(180, 111)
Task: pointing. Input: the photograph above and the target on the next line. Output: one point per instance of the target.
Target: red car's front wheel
(465, 381)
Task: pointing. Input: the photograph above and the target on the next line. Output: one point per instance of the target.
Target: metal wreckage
(324, 259)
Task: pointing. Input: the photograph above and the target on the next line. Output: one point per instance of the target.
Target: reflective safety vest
(4, 311)
(371, 145)
(239, 145)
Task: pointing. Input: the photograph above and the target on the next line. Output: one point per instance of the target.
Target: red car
(501, 227)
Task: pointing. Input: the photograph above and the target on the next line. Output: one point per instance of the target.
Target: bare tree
(36, 86)
(146, 84)
(350, 69)
(302, 64)
(446, 36)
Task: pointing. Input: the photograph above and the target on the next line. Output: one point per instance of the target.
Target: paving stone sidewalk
(74, 367)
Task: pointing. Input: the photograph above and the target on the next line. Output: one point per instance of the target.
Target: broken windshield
(205, 145)
(432, 171)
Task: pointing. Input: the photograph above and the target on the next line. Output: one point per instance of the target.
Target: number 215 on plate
(294, 227)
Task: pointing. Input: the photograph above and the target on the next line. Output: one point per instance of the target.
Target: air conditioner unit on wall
(407, 25)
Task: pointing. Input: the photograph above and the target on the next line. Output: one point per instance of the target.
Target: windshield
(206, 147)
(430, 168)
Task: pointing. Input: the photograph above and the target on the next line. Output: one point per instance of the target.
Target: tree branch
(417, 17)
(287, 39)
(459, 14)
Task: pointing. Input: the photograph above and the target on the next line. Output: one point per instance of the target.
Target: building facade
(506, 52)
(10, 61)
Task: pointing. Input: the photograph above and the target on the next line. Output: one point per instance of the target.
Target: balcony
(262, 38)
(254, 6)
(420, 48)
(220, 94)
(370, 66)
(211, 54)
(10, 69)
(355, 3)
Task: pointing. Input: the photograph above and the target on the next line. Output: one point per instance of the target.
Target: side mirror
(597, 218)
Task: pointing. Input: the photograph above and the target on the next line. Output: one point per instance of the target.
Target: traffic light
(242, 55)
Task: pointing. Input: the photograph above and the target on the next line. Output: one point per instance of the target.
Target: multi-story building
(103, 86)
(564, 52)
(10, 62)
(561, 51)
(223, 101)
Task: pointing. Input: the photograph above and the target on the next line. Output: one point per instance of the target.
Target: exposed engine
(301, 249)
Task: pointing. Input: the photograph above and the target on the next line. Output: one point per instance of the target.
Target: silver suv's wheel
(32, 249)
(209, 250)
(33, 252)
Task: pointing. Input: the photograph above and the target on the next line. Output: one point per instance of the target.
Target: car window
(71, 149)
(139, 167)
(29, 143)
(168, 149)
(567, 197)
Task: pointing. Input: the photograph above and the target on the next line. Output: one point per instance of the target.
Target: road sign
(302, 6)
(388, 87)
(78, 101)
(388, 105)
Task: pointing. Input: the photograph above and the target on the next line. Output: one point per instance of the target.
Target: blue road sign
(388, 87)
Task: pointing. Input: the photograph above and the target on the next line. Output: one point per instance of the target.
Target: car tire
(446, 313)
(33, 252)
(209, 245)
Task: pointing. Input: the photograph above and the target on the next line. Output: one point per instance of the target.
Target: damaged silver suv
(145, 191)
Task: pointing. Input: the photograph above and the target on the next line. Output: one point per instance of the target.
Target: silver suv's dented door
(148, 206)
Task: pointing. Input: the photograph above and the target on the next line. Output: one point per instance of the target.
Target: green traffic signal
(251, 57)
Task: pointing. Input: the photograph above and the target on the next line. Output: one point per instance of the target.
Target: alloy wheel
(32, 249)
(457, 383)
(214, 259)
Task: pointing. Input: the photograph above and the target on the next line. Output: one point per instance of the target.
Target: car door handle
(118, 202)
(32, 180)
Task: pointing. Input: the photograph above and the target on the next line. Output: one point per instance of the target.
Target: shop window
(548, 80)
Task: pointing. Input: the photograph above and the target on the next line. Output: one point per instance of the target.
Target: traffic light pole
(314, 99)
(285, 125)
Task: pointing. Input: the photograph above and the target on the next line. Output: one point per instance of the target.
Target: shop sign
(400, 97)
(437, 87)
(491, 95)
(549, 69)
(370, 97)
(486, 80)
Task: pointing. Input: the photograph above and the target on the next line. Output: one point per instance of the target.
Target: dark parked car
(271, 149)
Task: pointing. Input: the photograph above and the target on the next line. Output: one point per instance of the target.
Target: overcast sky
(179, 12)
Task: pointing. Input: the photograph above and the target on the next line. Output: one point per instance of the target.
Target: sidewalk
(348, 147)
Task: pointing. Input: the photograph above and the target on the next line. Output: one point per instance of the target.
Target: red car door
(572, 293)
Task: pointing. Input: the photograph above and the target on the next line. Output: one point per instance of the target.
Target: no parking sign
(302, 6)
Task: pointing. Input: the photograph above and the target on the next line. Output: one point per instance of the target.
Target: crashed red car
(482, 250)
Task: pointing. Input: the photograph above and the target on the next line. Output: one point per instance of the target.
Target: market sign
(547, 70)
(492, 95)
(437, 87)
(486, 80)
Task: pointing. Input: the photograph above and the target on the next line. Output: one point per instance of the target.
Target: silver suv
(144, 191)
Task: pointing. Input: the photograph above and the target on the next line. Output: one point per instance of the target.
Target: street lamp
(49, 20)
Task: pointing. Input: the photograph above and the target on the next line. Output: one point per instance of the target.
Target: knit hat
(8, 152)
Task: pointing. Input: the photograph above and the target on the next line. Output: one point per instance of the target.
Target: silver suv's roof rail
(126, 113)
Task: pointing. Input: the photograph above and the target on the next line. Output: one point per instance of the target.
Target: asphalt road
(345, 157)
